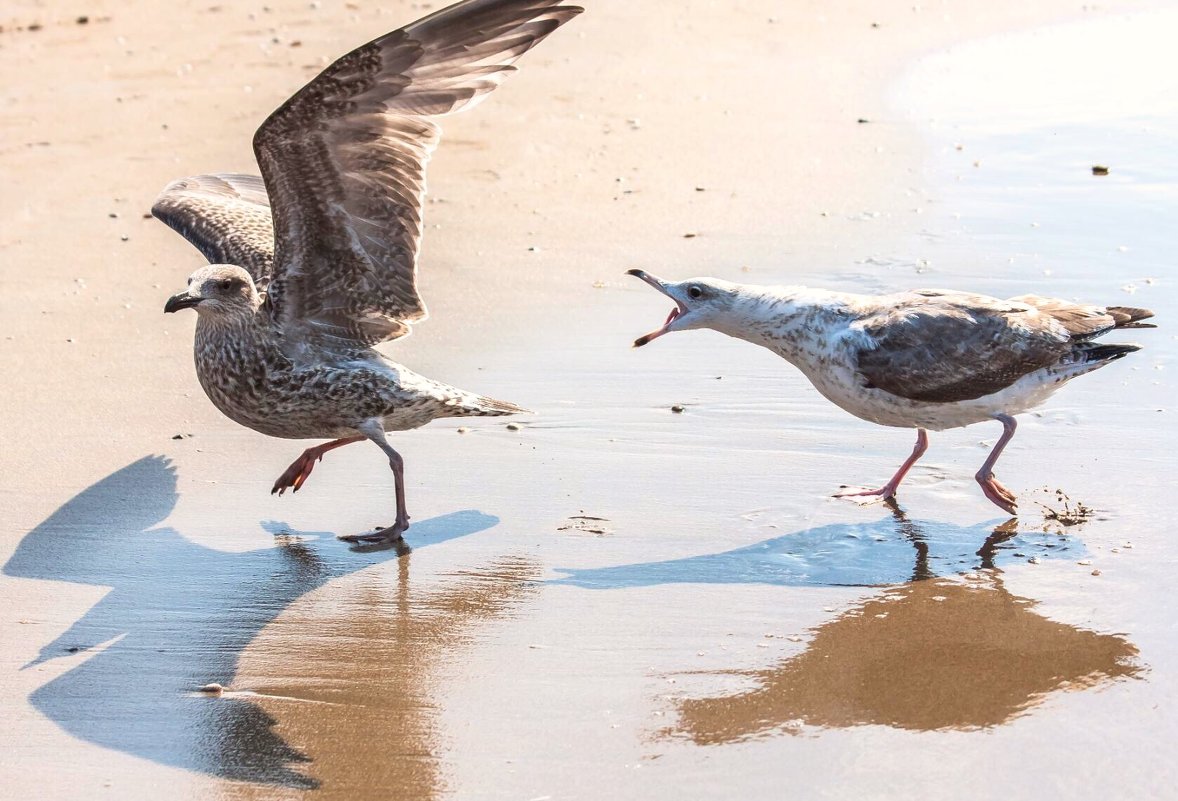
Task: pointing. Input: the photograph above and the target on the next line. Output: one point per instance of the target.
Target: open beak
(661, 286)
(181, 301)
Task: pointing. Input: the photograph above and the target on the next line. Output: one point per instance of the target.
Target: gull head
(699, 303)
(217, 289)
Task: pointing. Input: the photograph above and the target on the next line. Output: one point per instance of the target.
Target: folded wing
(942, 347)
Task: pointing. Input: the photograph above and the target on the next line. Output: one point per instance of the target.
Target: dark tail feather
(1130, 317)
(1101, 352)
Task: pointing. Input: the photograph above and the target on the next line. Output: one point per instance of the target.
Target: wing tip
(1130, 316)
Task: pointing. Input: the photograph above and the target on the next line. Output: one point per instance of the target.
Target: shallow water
(729, 629)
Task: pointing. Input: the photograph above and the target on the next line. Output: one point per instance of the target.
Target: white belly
(841, 386)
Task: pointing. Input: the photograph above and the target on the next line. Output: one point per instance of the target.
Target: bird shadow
(891, 550)
(177, 617)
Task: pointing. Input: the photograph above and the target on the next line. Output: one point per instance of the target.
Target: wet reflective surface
(887, 551)
(355, 692)
(926, 655)
(721, 627)
(177, 618)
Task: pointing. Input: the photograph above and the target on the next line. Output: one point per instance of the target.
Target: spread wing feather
(226, 217)
(344, 161)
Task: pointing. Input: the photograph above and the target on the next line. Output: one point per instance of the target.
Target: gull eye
(694, 292)
(227, 284)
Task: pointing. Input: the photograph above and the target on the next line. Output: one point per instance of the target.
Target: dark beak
(181, 301)
(647, 277)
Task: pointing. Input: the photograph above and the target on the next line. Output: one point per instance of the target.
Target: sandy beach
(615, 600)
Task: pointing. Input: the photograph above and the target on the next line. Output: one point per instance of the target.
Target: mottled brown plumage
(315, 262)
(227, 217)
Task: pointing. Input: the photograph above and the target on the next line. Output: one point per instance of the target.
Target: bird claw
(884, 493)
(393, 533)
(999, 495)
(295, 476)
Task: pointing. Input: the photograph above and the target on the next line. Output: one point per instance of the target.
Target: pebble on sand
(212, 689)
(678, 408)
(1099, 169)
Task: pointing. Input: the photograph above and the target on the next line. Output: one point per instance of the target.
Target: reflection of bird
(923, 656)
(315, 262)
(366, 670)
(927, 359)
(929, 654)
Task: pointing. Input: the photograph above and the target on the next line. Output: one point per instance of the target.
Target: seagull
(929, 359)
(315, 262)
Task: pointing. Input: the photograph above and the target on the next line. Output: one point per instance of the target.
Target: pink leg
(1001, 497)
(296, 475)
(889, 490)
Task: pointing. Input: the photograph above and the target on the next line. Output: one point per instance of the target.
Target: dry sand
(715, 637)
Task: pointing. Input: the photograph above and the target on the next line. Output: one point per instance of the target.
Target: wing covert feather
(344, 160)
(942, 347)
(226, 217)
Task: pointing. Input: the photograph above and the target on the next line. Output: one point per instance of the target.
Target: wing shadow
(177, 617)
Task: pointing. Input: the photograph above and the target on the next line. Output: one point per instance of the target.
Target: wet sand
(727, 629)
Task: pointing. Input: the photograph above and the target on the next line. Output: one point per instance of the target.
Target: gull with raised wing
(315, 262)
(927, 359)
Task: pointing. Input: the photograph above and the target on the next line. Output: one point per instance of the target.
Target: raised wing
(227, 218)
(344, 160)
(942, 347)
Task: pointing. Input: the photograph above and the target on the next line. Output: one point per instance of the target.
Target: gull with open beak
(928, 359)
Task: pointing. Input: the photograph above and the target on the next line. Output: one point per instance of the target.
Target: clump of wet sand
(1064, 511)
(587, 524)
